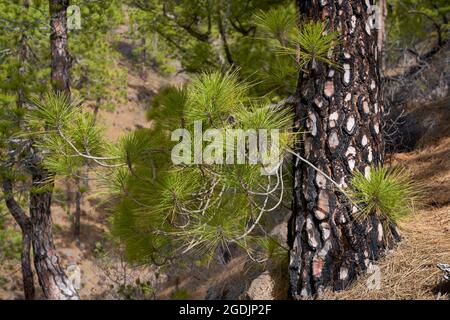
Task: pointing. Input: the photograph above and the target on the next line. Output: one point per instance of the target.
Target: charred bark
(341, 112)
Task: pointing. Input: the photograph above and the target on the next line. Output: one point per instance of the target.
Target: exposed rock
(262, 288)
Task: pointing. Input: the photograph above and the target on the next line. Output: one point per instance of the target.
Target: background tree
(20, 51)
(96, 76)
(211, 35)
(21, 157)
(19, 215)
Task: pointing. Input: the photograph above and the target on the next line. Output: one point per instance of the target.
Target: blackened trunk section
(26, 227)
(341, 110)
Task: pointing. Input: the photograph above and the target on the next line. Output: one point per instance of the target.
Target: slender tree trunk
(14, 208)
(25, 225)
(77, 217)
(23, 58)
(52, 278)
(144, 50)
(341, 112)
(222, 18)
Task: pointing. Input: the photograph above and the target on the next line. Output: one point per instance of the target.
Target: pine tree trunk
(77, 216)
(14, 208)
(54, 282)
(26, 228)
(60, 64)
(341, 112)
(52, 278)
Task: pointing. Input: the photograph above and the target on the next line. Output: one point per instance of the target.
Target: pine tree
(52, 278)
(95, 74)
(21, 157)
(345, 204)
(341, 109)
(212, 35)
(17, 66)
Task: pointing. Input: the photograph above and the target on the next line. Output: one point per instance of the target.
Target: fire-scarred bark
(340, 111)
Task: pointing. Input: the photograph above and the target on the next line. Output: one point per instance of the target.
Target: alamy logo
(374, 281)
(73, 18)
(228, 146)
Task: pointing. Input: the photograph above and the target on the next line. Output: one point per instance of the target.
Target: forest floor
(407, 272)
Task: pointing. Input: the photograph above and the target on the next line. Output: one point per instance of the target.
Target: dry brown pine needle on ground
(409, 271)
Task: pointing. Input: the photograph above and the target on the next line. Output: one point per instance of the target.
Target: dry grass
(409, 271)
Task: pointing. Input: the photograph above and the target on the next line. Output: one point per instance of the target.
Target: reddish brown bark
(341, 112)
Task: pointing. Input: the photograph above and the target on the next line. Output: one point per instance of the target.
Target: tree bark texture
(60, 58)
(54, 282)
(14, 208)
(25, 225)
(340, 112)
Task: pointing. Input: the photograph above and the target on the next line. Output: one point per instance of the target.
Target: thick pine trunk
(341, 112)
(25, 225)
(52, 278)
(14, 208)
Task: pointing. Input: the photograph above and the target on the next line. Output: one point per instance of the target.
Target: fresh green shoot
(388, 193)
